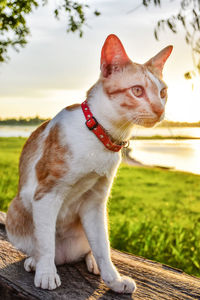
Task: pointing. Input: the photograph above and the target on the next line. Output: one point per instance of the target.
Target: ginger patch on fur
(19, 221)
(73, 106)
(51, 165)
(28, 151)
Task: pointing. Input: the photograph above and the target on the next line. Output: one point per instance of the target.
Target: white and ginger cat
(66, 171)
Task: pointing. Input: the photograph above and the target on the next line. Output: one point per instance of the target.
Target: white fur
(160, 85)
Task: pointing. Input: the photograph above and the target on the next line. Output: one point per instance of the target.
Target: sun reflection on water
(182, 155)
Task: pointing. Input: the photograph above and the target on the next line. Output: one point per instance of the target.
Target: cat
(68, 164)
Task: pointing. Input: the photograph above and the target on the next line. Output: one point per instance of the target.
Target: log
(154, 280)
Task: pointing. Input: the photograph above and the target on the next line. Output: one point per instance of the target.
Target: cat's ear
(113, 56)
(157, 62)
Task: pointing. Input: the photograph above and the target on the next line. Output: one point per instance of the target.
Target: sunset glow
(56, 69)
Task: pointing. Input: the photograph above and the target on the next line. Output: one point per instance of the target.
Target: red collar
(93, 125)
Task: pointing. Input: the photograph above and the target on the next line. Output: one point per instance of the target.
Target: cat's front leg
(93, 217)
(45, 213)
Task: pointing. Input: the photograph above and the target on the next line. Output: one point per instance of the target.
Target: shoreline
(131, 161)
(127, 159)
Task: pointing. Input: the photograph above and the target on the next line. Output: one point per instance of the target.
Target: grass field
(153, 213)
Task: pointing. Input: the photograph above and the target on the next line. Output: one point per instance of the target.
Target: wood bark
(154, 280)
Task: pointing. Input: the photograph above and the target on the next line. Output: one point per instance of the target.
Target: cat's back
(47, 148)
(48, 133)
(30, 150)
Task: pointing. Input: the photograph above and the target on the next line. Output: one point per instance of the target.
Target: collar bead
(93, 125)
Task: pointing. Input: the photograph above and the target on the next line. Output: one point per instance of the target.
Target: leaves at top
(13, 28)
(189, 18)
(148, 2)
(13, 25)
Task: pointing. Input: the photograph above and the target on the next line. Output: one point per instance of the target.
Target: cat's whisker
(125, 131)
(122, 131)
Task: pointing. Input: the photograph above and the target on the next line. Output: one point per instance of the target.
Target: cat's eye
(163, 93)
(137, 90)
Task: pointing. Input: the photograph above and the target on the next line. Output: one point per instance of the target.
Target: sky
(56, 68)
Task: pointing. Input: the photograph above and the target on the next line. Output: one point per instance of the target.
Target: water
(181, 155)
(16, 131)
(24, 131)
(176, 131)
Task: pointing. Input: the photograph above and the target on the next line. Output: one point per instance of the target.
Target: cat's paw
(46, 276)
(29, 264)
(123, 284)
(91, 264)
(47, 281)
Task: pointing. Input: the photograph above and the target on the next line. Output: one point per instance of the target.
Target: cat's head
(137, 90)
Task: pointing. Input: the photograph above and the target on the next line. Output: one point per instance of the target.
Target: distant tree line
(22, 121)
(167, 123)
(37, 121)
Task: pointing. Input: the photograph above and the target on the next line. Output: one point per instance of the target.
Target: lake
(186, 131)
(16, 131)
(181, 155)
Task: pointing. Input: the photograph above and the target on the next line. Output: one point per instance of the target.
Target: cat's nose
(158, 109)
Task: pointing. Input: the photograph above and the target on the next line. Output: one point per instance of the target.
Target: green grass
(153, 213)
(10, 149)
(156, 214)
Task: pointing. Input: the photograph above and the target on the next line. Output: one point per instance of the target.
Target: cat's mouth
(146, 121)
